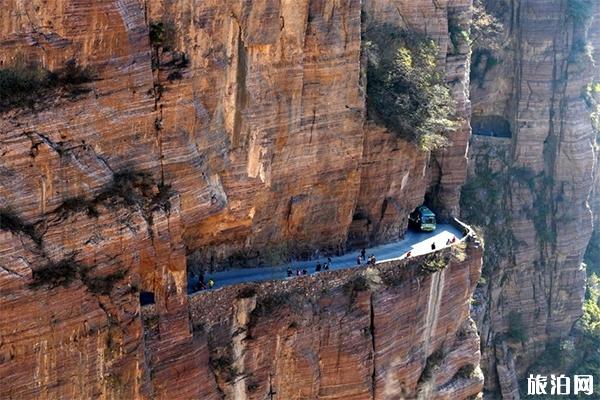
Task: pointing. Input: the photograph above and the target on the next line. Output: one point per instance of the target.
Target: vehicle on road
(423, 219)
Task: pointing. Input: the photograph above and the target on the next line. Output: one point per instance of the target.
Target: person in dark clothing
(304, 272)
(318, 267)
(327, 264)
(363, 254)
(408, 254)
(290, 272)
(433, 246)
(200, 285)
(372, 259)
(298, 273)
(358, 260)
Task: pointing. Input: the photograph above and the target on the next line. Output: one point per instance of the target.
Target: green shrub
(486, 28)
(67, 271)
(55, 274)
(405, 89)
(22, 84)
(163, 34)
(101, 284)
(588, 345)
(268, 305)
(432, 364)
(75, 205)
(74, 74)
(483, 61)
(358, 284)
(224, 367)
(591, 96)
(592, 253)
(465, 372)
(457, 34)
(393, 278)
(9, 221)
(434, 262)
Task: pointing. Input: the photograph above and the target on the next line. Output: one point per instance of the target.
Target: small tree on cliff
(405, 89)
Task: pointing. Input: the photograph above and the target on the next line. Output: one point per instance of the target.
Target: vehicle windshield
(429, 220)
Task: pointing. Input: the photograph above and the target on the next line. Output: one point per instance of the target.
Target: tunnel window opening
(146, 298)
(491, 125)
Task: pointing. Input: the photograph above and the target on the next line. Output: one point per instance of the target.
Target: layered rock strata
(530, 188)
(400, 330)
(211, 131)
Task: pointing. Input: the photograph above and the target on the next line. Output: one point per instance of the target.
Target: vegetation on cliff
(405, 88)
(580, 353)
(66, 271)
(23, 84)
(486, 38)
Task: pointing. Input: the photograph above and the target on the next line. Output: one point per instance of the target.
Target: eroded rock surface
(222, 130)
(530, 190)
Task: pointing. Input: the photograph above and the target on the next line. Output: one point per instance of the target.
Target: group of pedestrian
(363, 258)
(449, 242)
(201, 284)
(299, 272)
(318, 268)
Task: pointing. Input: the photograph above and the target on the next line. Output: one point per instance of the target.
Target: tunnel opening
(491, 125)
(146, 298)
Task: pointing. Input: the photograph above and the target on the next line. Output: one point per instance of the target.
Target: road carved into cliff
(418, 243)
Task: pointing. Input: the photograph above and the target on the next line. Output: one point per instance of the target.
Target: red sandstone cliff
(534, 184)
(240, 131)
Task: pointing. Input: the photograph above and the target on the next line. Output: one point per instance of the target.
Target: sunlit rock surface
(248, 120)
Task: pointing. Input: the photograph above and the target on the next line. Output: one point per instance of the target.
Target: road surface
(417, 243)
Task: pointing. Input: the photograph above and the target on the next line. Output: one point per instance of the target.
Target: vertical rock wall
(394, 331)
(218, 129)
(531, 191)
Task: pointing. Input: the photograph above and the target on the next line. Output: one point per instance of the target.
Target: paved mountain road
(417, 243)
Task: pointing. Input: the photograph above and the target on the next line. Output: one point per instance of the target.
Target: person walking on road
(363, 254)
(211, 284)
(318, 267)
(433, 246)
(290, 272)
(372, 259)
(304, 272)
(358, 260)
(327, 264)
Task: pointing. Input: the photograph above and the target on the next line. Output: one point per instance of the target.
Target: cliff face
(529, 187)
(255, 122)
(397, 331)
(215, 131)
